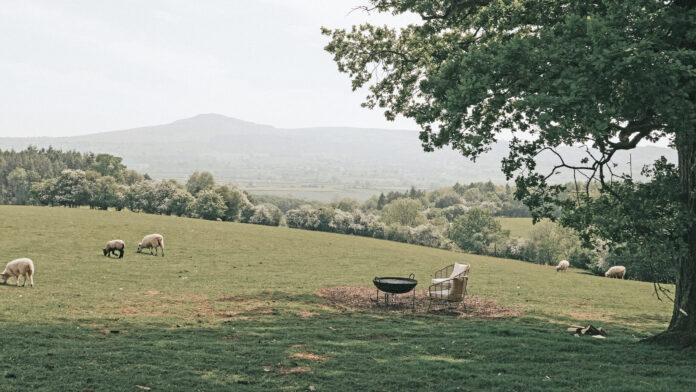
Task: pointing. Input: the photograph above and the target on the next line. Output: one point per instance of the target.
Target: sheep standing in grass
(113, 246)
(20, 267)
(617, 271)
(152, 241)
(563, 265)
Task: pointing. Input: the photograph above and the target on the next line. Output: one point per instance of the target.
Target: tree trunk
(682, 327)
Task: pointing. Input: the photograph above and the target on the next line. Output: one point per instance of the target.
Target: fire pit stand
(392, 286)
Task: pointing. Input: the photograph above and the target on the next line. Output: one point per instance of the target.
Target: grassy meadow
(518, 227)
(234, 307)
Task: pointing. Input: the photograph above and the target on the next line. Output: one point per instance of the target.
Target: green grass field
(519, 227)
(234, 307)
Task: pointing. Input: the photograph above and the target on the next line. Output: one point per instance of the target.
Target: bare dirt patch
(310, 356)
(305, 314)
(364, 298)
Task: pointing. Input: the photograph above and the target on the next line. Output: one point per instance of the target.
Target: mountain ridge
(260, 155)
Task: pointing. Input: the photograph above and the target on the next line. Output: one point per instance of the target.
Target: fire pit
(391, 286)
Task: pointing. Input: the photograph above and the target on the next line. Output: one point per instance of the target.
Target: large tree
(547, 73)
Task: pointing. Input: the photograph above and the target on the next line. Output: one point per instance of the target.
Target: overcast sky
(77, 67)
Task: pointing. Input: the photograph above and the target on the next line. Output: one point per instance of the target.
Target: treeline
(497, 199)
(71, 179)
(19, 170)
(461, 217)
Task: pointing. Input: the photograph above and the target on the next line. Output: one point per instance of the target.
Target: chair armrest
(445, 285)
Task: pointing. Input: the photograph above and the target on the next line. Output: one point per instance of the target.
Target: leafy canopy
(602, 74)
(475, 231)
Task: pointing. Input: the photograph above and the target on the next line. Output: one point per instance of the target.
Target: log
(588, 330)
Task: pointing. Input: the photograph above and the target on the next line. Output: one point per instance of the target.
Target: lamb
(152, 241)
(113, 246)
(563, 265)
(17, 268)
(616, 272)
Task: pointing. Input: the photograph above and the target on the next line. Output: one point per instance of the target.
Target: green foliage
(43, 191)
(475, 231)
(448, 200)
(553, 242)
(20, 171)
(104, 193)
(266, 214)
(581, 258)
(382, 201)
(71, 188)
(199, 181)
(109, 165)
(347, 205)
(181, 203)
(18, 190)
(451, 213)
(132, 176)
(406, 212)
(646, 220)
(209, 205)
(142, 197)
(235, 201)
(284, 203)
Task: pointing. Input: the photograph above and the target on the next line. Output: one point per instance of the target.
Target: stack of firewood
(589, 330)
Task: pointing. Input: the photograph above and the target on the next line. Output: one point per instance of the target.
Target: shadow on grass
(347, 351)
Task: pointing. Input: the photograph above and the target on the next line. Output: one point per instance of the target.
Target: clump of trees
(72, 179)
(476, 231)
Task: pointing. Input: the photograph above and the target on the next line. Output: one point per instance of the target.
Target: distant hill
(255, 155)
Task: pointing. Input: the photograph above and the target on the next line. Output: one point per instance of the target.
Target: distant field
(234, 307)
(323, 194)
(519, 227)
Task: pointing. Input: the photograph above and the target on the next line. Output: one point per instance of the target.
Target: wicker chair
(449, 285)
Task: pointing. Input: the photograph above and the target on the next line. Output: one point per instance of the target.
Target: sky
(78, 67)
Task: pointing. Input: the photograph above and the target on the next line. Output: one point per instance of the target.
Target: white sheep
(113, 246)
(17, 268)
(563, 265)
(617, 271)
(152, 241)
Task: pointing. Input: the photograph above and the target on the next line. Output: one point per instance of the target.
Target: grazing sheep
(17, 268)
(113, 246)
(617, 271)
(563, 265)
(219, 219)
(152, 241)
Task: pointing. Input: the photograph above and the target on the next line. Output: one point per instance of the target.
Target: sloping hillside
(234, 307)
